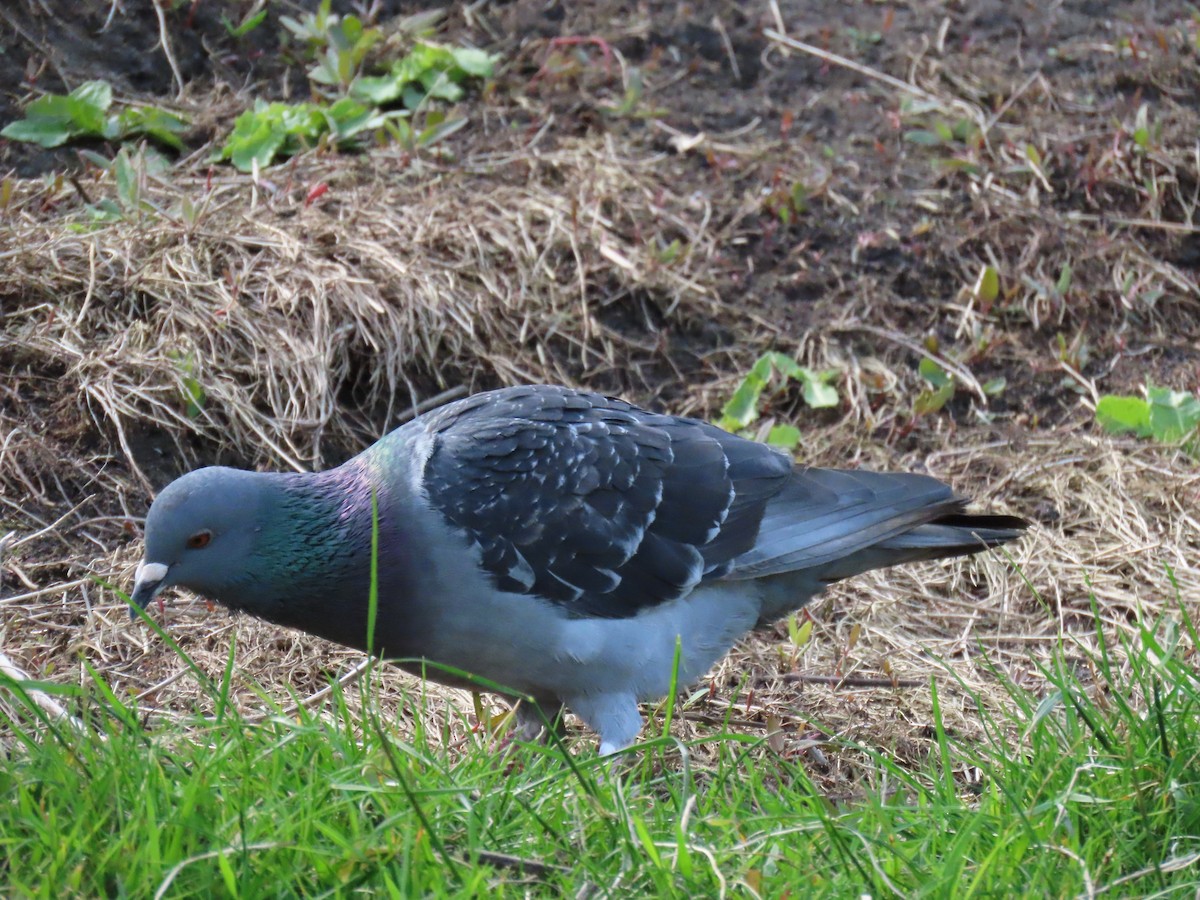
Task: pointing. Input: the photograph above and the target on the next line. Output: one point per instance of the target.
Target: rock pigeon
(555, 542)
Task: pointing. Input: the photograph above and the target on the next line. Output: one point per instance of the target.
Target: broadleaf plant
(1167, 416)
(54, 119)
(271, 129)
(940, 391)
(742, 410)
(428, 71)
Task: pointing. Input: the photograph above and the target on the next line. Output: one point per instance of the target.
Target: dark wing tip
(991, 529)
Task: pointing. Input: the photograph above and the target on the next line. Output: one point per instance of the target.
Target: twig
(1083, 382)
(169, 680)
(943, 104)
(854, 681)
(349, 678)
(1122, 222)
(51, 706)
(165, 42)
(112, 11)
(777, 16)
(709, 719)
(79, 188)
(1012, 98)
(5, 543)
(53, 525)
(211, 854)
(811, 745)
(531, 867)
(432, 403)
(728, 45)
(1174, 864)
(53, 589)
(965, 376)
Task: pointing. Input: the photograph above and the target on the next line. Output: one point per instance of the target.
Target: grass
(1084, 787)
(156, 319)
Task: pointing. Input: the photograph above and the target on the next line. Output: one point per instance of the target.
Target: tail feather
(955, 535)
(835, 524)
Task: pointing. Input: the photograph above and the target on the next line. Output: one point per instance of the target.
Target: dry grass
(543, 254)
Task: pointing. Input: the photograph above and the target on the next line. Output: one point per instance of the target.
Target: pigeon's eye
(199, 539)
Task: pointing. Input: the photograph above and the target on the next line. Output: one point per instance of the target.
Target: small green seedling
(987, 288)
(787, 203)
(338, 44)
(192, 391)
(942, 387)
(1146, 134)
(54, 119)
(428, 71)
(863, 39)
(254, 17)
(284, 129)
(1074, 356)
(1167, 416)
(940, 134)
(962, 139)
(742, 410)
(667, 254)
(312, 28)
(632, 105)
(437, 128)
(130, 169)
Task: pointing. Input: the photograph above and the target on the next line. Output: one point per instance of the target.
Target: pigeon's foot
(537, 718)
(614, 716)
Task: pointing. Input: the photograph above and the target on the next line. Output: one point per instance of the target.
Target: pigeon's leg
(614, 716)
(534, 714)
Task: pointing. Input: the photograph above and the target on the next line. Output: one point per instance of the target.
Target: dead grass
(602, 255)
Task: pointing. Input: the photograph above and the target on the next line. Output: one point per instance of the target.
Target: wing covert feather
(591, 503)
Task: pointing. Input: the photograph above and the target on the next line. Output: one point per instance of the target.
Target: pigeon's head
(201, 533)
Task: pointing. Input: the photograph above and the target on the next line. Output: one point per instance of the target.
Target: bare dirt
(643, 211)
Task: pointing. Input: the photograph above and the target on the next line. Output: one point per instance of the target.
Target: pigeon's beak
(146, 584)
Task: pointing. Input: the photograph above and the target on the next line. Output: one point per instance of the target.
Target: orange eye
(199, 539)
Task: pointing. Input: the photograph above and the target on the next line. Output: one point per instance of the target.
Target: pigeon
(569, 547)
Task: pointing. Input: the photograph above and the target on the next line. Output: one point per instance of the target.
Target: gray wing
(591, 503)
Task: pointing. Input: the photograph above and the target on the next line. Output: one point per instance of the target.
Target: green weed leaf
(1124, 415)
(153, 122)
(931, 401)
(45, 131)
(256, 139)
(96, 94)
(54, 119)
(743, 407)
(785, 436)
(473, 62)
(923, 137)
(1174, 415)
(933, 373)
(987, 287)
(247, 25)
(1064, 279)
